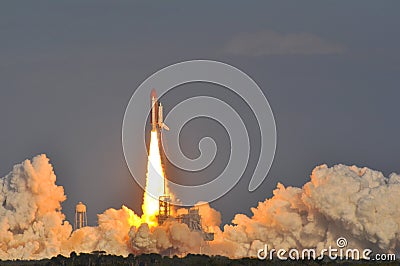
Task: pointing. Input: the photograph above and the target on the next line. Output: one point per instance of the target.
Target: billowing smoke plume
(31, 222)
(356, 203)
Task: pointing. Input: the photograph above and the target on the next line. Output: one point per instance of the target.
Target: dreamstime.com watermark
(340, 252)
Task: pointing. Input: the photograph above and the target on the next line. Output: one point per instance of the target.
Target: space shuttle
(157, 120)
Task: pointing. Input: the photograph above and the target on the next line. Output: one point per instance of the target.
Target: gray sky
(330, 70)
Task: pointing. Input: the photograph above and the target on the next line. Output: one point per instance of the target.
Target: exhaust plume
(359, 204)
(31, 223)
(155, 182)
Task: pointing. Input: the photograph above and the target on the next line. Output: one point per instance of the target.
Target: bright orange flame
(155, 186)
(154, 182)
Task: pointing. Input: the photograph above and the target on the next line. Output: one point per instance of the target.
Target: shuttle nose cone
(153, 93)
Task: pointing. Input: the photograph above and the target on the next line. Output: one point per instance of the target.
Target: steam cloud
(359, 204)
(31, 222)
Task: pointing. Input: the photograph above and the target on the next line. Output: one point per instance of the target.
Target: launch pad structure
(193, 218)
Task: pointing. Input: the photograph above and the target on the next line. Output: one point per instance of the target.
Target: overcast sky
(330, 70)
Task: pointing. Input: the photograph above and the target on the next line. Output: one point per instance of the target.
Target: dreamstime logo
(135, 118)
(341, 242)
(341, 252)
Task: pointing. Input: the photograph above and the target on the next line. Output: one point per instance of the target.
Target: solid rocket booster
(157, 119)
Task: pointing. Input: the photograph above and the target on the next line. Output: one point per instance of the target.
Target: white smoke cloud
(31, 222)
(171, 236)
(357, 203)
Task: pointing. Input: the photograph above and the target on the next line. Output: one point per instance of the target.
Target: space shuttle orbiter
(157, 119)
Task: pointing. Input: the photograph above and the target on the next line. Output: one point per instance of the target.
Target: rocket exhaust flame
(155, 186)
(155, 182)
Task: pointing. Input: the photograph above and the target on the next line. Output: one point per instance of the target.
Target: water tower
(80, 216)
